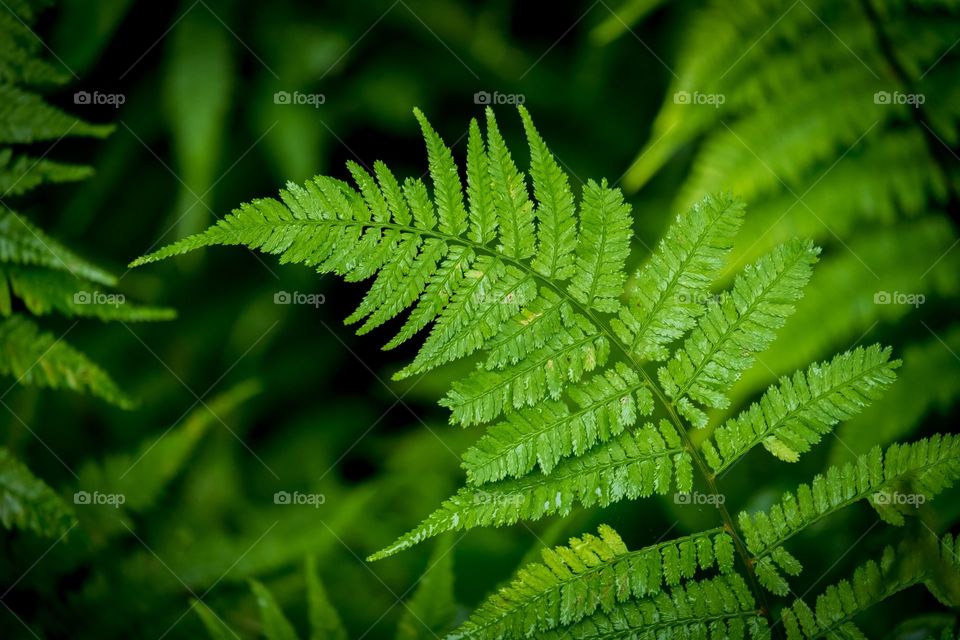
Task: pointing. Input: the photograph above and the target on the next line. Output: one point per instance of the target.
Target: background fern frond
(926, 468)
(42, 359)
(26, 502)
(872, 583)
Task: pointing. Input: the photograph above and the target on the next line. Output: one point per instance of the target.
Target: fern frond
(26, 502)
(720, 608)
(923, 468)
(794, 415)
(26, 118)
(872, 583)
(23, 243)
(641, 463)
(41, 359)
(671, 285)
(592, 573)
(608, 404)
(432, 608)
(21, 173)
(46, 290)
(734, 328)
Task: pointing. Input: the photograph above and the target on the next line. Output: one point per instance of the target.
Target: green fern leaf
(631, 465)
(605, 231)
(556, 223)
(510, 197)
(794, 415)
(591, 573)
(26, 502)
(571, 352)
(482, 214)
(673, 284)
(608, 404)
(43, 360)
(719, 608)
(734, 328)
(448, 192)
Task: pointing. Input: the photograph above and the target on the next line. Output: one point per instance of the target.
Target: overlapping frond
(591, 573)
(607, 404)
(734, 328)
(632, 465)
(720, 608)
(895, 482)
(26, 502)
(671, 288)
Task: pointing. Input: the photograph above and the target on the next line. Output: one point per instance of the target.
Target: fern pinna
(533, 288)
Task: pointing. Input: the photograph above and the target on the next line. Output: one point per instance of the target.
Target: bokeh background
(775, 101)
